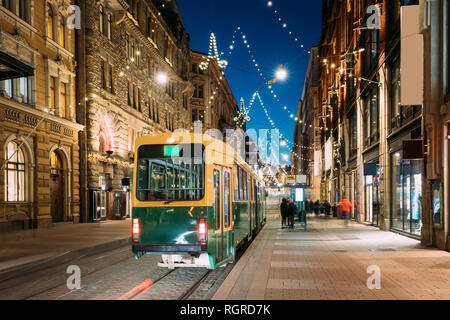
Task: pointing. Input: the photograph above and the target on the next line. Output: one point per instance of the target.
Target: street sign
(301, 179)
(291, 179)
(413, 149)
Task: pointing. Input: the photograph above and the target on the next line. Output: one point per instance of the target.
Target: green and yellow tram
(195, 201)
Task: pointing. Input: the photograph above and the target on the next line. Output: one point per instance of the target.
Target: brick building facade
(133, 80)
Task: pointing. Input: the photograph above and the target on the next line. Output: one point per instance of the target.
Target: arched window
(50, 23)
(15, 174)
(62, 31)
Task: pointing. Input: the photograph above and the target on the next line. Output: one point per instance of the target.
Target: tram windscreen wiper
(169, 202)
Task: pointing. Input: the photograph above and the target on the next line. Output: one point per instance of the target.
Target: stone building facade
(212, 104)
(133, 80)
(39, 152)
(306, 133)
(435, 30)
(365, 118)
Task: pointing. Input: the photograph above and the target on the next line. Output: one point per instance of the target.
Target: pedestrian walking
(284, 211)
(292, 210)
(345, 208)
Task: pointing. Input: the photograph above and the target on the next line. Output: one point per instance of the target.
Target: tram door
(218, 214)
(222, 212)
(255, 204)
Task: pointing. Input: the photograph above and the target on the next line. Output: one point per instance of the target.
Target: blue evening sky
(270, 45)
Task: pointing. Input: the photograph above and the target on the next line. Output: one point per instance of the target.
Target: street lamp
(281, 73)
(161, 78)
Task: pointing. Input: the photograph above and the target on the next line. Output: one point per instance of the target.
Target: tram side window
(236, 183)
(241, 184)
(227, 200)
(245, 186)
(217, 203)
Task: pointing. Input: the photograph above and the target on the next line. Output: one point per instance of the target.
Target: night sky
(270, 45)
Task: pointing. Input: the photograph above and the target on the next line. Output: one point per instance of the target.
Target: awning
(11, 68)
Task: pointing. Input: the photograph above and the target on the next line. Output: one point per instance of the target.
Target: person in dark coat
(283, 211)
(292, 211)
(308, 206)
(316, 207)
(327, 208)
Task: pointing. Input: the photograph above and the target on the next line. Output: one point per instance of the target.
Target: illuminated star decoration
(242, 114)
(213, 55)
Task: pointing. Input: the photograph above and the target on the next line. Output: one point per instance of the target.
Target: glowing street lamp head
(281, 74)
(161, 78)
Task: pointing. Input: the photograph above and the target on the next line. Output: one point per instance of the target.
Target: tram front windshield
(171, 173)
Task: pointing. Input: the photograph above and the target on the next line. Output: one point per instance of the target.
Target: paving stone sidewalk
(29, 249)
(329, 261)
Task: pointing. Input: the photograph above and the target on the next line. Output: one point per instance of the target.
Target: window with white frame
(15, 174)
(19, 89)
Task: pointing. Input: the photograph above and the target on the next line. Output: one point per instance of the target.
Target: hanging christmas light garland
(284, 25)
(272, 123)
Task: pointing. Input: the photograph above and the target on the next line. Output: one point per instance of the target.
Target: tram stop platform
(330, 261)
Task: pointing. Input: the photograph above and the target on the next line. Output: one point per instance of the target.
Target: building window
(22, 9)
(353, 132)
(15, 174)
(395, 95)
(129, 93)
(134, 96)
(52, 94)
(200, 92)
(50, 23)
(64, 101)
(371, 120)
(185, 101)
(139, 104)
(110, 79)
(7, 4)
(105, 22)
(18, 7)
(108, 26)
(24, 93)
(194, 68)
(9, 87)
(62, 32)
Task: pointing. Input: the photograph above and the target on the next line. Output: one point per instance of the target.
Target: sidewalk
(28, 250)
(330, 261)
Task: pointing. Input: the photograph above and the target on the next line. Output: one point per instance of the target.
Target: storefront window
(373, 198)
(407, 194)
